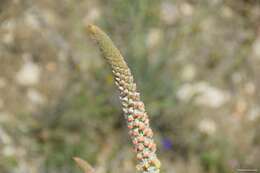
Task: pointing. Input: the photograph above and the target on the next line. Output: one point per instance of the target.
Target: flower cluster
(133, 108)
(137, 121)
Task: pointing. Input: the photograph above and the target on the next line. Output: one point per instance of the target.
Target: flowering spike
(133, 108)
(85, 166)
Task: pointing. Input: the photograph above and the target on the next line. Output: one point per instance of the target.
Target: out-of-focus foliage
(196, 64)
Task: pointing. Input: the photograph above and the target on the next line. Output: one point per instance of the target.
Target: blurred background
(196, 63)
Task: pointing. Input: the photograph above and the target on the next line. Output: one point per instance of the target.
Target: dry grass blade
(85, 166)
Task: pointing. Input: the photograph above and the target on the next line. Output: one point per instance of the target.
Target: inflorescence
(134, 111)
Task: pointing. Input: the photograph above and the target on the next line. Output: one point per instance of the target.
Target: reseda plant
(134, 111)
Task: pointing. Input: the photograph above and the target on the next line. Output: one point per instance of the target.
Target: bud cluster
(137, 121)
(133, 108)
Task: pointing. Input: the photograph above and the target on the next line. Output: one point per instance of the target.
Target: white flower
(207, 126)
(35, 97)
(186, 92)
(210, 96)
(29, 74)
(206, 95)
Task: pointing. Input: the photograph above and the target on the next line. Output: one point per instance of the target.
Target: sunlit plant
(134, 111)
